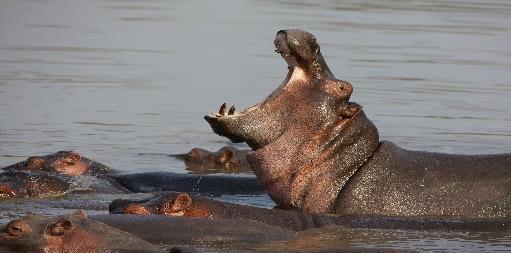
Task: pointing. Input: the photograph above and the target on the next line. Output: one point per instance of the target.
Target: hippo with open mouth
(317, 152)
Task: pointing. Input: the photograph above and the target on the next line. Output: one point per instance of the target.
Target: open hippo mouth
(310, 96)
(304, 132)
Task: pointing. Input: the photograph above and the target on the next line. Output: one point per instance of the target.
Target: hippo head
(39, 234)
(63, 162)
(65, 234)
(227, 160)
(308, 138)
(169, 203)
(203, 158)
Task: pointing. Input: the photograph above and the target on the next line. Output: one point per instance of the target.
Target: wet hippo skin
(317, 152)
(170, 181)
(228, 159)
(23, 184)
(68, 234)
(63, 162)
(189, 205)
(159, 229)
(30, 185)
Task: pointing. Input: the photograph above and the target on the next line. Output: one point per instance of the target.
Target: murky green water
(113, 79)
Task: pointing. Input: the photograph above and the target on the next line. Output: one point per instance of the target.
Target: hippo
(68, 234)
(68, 171)
(316, 151)
(228, 159)
(22, 184)
(159, 229)
(170, 181)
(191, 205)
(25, 184)
(62, 162)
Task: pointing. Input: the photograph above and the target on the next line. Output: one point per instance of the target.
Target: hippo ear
(194, 154)
(224, 157)
(181, 202)
(61, 227)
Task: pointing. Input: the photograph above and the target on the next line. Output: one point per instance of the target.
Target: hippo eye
(17, 228)
(34, 163)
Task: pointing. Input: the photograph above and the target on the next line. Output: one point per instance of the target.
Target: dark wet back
(168, 181)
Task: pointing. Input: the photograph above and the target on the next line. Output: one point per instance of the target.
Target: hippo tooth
(231, 111)
(223, 109)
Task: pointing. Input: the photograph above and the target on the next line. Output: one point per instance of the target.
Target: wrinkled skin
(317, 152)
(188, 205)
(62, 162)
(228, 159)
(68, 234)
(170, 181)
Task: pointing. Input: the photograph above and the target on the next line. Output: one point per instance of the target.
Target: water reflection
(338, 237)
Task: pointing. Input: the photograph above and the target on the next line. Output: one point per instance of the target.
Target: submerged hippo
(68, 234)
(318, 152)
(29, 185)
(228, 159)
(188, 205)
(21, 184)
(63, 162)
(207, 184)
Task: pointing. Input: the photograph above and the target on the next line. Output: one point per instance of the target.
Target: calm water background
(115, 79)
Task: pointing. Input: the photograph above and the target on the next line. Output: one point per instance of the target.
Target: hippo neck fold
(307, 169)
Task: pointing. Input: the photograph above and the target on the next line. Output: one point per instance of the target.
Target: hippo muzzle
(308, 72)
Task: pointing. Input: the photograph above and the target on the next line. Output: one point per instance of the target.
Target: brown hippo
(28, 185)
(228, 159)
(63, 162)
(68, 234)
(315, 151)
(22, 184)
(188, 205)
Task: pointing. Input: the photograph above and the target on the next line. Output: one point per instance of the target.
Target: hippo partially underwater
(176, 204)
(63, 162)
(317, 152)
(74, 233)
(228, 159)
(57, 174)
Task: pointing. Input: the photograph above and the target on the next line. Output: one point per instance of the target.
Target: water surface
(114, 79)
